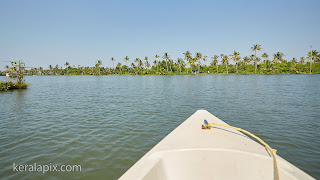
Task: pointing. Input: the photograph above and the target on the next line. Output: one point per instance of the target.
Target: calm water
(106, 123)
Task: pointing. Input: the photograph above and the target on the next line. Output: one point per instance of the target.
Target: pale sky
(41, 33)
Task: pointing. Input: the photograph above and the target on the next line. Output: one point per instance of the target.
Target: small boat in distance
(219, 152)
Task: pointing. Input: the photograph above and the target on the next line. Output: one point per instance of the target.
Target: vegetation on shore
(197, 64)
(16, 70)
(5, 86)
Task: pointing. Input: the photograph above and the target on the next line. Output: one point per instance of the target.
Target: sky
(43, 33)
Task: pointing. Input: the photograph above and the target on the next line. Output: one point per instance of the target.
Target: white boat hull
(190, 152)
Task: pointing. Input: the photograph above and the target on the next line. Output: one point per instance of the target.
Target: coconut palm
(222, 56)
(40, 70)
(265, 57)
(56, 69)
(66, 64)
(166, 57)
(204, 58)
(258, 60)
(294, 61)
(198, 58)
(277, 57)
(126, 59)
(236, 58)
(138, 63)
(315, 55)
(155, 64)
(225, 60)
(246, 60)
(67, 67)
(119, 65)
(81, 69)
(215, 61)
(180, 63)
(156, 56)
(302, 60)
(170, 64)
(146, 59)
(187, 57)
(97, 66)
(147, 65)
(50, 68)
(112, 60)
(252, 59)
(269, 66)
(255, 48)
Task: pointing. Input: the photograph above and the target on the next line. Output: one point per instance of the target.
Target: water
(106, 123)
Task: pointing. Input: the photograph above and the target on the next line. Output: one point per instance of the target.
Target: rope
(206, 125)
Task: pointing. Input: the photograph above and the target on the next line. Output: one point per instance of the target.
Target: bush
(5, 86)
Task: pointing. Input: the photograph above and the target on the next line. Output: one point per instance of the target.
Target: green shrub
(5, 86)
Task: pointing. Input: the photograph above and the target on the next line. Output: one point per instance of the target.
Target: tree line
(194, 64)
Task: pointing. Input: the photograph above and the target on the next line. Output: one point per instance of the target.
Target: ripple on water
(107, 123)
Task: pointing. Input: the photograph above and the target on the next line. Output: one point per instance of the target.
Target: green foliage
(5, 86)
(189, 65)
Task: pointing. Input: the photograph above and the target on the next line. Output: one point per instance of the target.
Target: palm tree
(225, 61)
(126, 59)
(119, 66)
(146, 59)
(255, 48)
(180, 63)
(170, 64)
(246, 60)
(269, 66)
(40, 70)
(294, 61)
(187, 57)
(204, 58)
(222, 61)
(265, 57)
(236, 58)
(198, 57)
(67, 67)
(252, 59)
(156, 56)
(133, 66)
(50, 68)
(138, 63)
(98, 64)
(258, 60)
(81, 69)
(215, 61)
(166, 57)
(277, 57)
(313, 55)
(155, 64)
(112, 60)
(147, 65)
(56, 69)
(302, 60)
